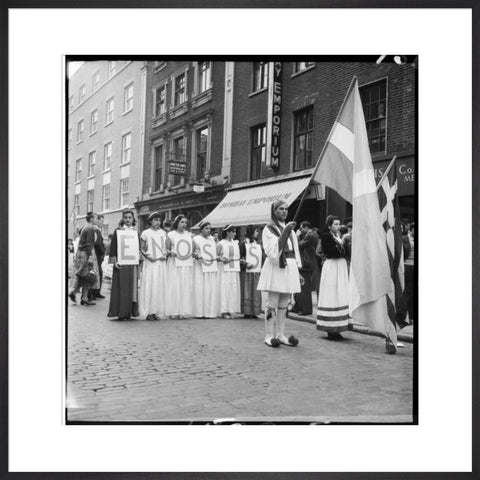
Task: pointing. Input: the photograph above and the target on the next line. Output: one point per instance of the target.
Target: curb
(401, 337)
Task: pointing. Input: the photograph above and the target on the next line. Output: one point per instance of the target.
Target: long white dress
(276, 279)
(229, 281)
(205, 284)
(153, 281)
(180, 278)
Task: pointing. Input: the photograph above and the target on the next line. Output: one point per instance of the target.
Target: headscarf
(275, 224)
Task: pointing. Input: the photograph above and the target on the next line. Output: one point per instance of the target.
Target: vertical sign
(274, 114)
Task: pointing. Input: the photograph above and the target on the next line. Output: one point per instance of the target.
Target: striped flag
(346, 167)
(390, 214)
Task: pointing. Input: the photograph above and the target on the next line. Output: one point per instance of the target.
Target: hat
(153, 215)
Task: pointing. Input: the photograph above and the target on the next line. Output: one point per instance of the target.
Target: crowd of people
(210, 274)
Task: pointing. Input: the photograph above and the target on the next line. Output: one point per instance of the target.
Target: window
(202, 147)
(128, 98)
(299, 66)
(107, 156)
(70, 102)
(106, 197)
(126, 147)
(124, 196)
(158, 159)
(374, 100)
(180, 96)
(178, 155)
(204, 76)
(260, 75)
(69, 138)
(90, 200)
(76, 204)
(81, 94)
(160, 100)
(258, 151)
(78, 169)
(109, 114)
(105, 231)
(92, 158)
(111, 69)
(93, 121)
(95, 81)
(80, 127)
(303, 139)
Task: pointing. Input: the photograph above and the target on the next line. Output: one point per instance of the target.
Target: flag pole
(352, 83)
(387, 171)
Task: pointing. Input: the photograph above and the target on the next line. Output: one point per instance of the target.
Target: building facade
(283, 114)
(105, 143)
(186, 163)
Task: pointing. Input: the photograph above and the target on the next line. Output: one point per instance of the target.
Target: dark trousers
(303, 300)
(409, 289)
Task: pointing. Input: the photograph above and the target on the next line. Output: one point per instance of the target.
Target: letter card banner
(254, 257)
(128, 251)
(208, 253)
(183, 249)
(156, 246)
(232, 252)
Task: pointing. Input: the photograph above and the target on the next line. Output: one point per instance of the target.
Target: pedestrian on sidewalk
(332, 312)
(153, 282)
(409, 264)
(205, 274)
(229, 272)
(124, 294)
(279, 277)
(251, 298)
(85, 261)
(179, 270)
(99, 248)
(307, 244)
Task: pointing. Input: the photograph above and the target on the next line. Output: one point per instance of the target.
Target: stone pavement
(194, 369)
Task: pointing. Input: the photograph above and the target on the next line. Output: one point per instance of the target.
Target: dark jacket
(99, 246)
(308, 245)
(87, 239)
(406, 246)
(331, 248)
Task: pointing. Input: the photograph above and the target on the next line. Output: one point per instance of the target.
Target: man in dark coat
(307, 243)
(100, 253)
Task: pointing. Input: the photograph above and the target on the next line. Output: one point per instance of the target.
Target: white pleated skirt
(282, 280)
(179, 289)
(153, 284)
(205, 293)
(332, 312)
(229, 289)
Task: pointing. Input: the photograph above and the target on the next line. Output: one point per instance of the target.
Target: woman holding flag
(332, 313)
(279, 277)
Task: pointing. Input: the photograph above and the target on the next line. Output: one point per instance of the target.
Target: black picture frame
(4, 239)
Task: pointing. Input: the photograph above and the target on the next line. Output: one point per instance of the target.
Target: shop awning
(251, 205)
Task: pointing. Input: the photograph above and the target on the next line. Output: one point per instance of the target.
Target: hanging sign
(177, 168)
(274, 114)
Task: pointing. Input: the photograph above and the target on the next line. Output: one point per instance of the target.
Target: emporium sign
(274, 114)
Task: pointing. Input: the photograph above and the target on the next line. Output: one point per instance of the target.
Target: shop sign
(177, 168)
(405, 174)
(274, 114)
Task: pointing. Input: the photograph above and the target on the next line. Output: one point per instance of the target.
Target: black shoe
(100, 296)
(335, 336)
(83, 302)
(72, 297)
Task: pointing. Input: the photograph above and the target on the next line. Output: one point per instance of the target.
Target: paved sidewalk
(180, 370)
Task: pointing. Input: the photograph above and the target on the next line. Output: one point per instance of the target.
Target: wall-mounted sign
(405, 174)
(274, 114)
(177, 168)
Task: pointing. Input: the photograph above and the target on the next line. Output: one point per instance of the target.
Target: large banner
(183, 249)
(254, 257)
(208, 253)
(128, 251)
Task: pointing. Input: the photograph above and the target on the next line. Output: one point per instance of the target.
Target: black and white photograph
(240, 239)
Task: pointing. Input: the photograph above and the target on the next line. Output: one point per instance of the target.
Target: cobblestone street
(195, 369)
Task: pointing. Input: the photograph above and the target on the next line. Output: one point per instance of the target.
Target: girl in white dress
(229, 272)
(179, 270)
(279, 277)
(205, 275)
(154, 273)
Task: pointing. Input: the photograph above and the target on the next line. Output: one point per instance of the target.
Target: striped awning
(251, 205)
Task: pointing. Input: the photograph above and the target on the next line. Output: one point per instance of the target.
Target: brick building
(105, 140)
(185, 133)
(294, 123)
